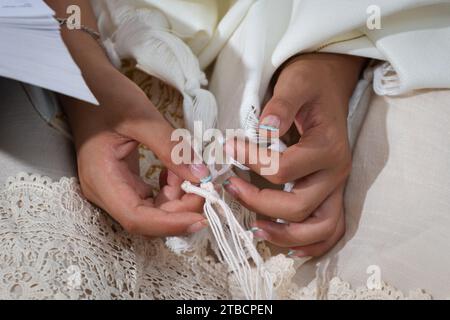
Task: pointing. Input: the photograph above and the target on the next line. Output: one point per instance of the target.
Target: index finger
(298, 161)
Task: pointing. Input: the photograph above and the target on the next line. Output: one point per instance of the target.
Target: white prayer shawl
(175, 40)
(252, 38)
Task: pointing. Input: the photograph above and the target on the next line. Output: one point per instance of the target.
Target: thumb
(156, 134)
(290, 94)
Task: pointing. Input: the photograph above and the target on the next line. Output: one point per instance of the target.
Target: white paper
(24, 8)
(32, 50)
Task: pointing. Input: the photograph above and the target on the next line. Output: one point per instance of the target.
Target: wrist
(122, 103)
(336, 72)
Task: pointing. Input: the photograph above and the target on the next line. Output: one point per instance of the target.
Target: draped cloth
(250, 39)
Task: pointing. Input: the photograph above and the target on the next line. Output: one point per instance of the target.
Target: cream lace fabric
(56, 245)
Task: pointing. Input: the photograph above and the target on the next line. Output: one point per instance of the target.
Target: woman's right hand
(107, 139)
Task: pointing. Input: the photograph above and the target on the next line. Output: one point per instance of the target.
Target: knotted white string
(144, 34)
(235, 244)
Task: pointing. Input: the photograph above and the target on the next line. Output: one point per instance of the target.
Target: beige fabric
(398, 197)
(27, 143)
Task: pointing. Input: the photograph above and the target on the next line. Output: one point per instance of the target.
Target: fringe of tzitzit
(235, 245)
(143, 34)
(386, 81)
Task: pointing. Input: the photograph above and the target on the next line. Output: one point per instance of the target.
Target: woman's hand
(312, 93)
(107, 139)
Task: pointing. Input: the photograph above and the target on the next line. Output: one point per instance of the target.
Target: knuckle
(282, 175)
(326, 139)
(298, 74)
(347, 168)
(329, 230)
(338, 235)
(165, 156)
(281, 103)
(344, 170)
(342, 228)
(303, 210)
(295, 235)
(338, 148)
(339, 153)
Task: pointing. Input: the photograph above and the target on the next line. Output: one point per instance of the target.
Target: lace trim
(55, 245)
(337, 289)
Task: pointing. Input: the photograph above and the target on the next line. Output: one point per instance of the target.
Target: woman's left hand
(312, 93)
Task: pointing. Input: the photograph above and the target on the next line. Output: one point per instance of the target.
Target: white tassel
(251, 125)
(386, 81)
(204, 109)
(235, 245)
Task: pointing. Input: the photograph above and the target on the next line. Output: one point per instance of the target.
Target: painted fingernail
(297, 254)
(291, 253)
(261, 234)
(201, 172)
(231, 189)
(199, 226)
(270, 123)
(281, 221)
(255, 229)
(206, 180)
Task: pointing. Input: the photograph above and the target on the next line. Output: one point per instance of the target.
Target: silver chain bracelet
(94, 34)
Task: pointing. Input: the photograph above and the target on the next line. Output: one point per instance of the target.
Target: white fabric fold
(250, 39)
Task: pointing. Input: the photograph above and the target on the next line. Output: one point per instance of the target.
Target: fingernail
(206, 180)
(261, 234)
(270, 123)
(201, 171)
(255, 229)
(231, 189)
(281, 221)
(297, 253)
(199, 226)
